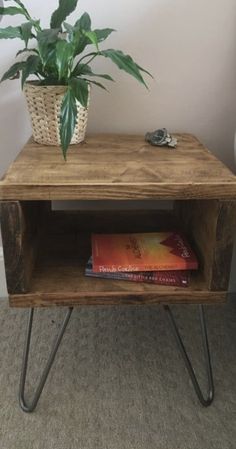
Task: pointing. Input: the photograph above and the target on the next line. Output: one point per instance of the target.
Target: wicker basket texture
(44, 104)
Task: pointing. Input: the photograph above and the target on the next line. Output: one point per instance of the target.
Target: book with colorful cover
(154, 251)
(174, 278)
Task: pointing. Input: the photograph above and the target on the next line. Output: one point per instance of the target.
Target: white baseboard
(3, 288)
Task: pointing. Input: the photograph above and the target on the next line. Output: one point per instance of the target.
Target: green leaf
(36, 24)
(68, 27)
(124, 62)
(84, 22)
(22, 7)
(82, 42)
(103, 34)
(26, 33)
(65, 8)
(31, 66)
(64, 58)
(100, 75)
(11, 11)
(82, 26)
(26, 50)
(10, 33)
(145, 71)
(74, 35)
(84, 69)
(91, 35)
(68, 118)
(48, 81)
(13, 72)
(46, 43)
(48, 36)
(97, 84)
(80, 89)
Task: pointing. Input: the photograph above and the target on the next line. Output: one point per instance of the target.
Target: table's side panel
(224, 240)
(20, 227)
(211, 225)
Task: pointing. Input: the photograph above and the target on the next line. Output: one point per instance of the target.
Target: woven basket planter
(44, 105)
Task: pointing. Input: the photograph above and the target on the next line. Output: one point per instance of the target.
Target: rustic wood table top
(109, 166)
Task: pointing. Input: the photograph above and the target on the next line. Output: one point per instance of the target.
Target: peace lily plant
(56, 57)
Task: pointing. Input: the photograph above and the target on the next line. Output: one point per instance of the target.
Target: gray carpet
(118, 381)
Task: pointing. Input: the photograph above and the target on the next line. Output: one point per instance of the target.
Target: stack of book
(163, 258)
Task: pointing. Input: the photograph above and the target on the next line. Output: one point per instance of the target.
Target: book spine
(175, 280)
(132, 268)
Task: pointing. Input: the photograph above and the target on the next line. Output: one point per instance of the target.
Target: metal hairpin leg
(31, 406)
(210, 394)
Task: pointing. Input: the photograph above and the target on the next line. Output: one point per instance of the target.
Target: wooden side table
(46, 251)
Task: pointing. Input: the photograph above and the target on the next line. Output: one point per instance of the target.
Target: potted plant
(58, 97)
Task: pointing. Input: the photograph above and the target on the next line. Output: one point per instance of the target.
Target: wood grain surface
(32, 228)
(116, 297)
(20, 227)
(118, 167)
(58, 277)
(59, 280)
(210, 226)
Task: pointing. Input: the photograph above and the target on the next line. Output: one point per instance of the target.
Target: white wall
(189, 46)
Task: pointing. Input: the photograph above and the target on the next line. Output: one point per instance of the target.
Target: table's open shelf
(63, 248)
(58, 279)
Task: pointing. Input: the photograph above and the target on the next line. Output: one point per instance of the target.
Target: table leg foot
(207, 400)
(29, 407)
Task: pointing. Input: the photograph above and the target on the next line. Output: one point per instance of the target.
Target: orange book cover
(142, 252)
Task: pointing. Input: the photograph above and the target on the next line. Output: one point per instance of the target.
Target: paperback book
(174, 278)
(156, 251)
